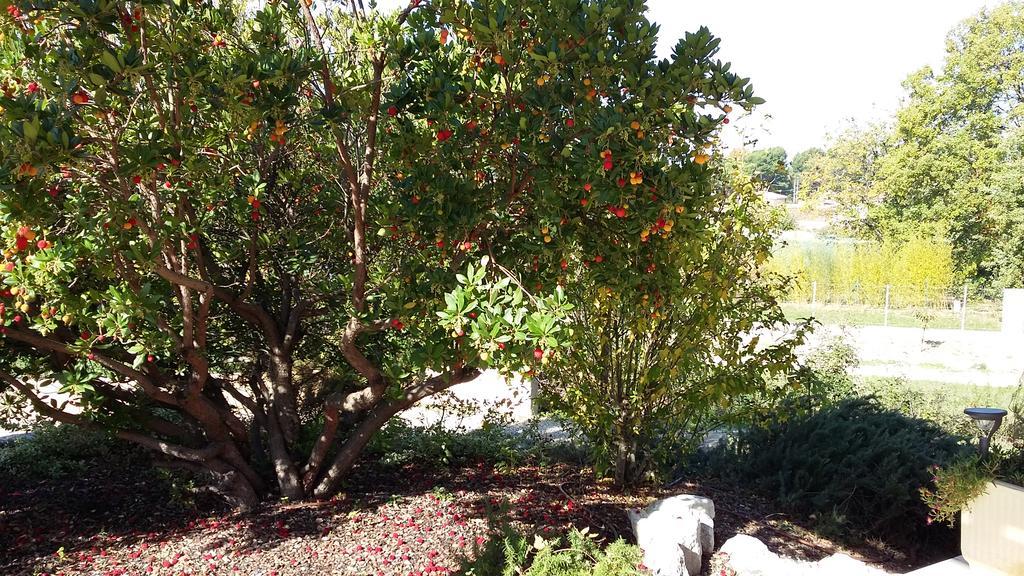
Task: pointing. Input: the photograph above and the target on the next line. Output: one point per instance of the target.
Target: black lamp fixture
(988, 421)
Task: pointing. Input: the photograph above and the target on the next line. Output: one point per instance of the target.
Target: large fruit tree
(246, 238)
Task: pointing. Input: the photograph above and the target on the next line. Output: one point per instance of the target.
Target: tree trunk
(353, 447)
(283, 393)
(234, 487)
(625, 461)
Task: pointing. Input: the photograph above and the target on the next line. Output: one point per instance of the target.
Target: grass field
(955, 396)
(983, 316)
(939, 402)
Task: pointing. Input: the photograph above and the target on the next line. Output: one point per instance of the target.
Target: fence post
(814, 292)
(963, 309)
(886, 321)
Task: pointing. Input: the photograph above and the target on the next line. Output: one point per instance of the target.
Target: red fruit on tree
(392, 111)
(584, 202)
(587, 186)
(538, 353)
(570, 123)
(136, 179)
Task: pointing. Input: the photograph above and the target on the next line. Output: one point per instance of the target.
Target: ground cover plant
(246, 239)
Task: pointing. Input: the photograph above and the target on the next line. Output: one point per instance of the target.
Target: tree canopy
(769, 167)
(248, 238)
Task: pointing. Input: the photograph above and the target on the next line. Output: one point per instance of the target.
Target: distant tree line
(949, 166)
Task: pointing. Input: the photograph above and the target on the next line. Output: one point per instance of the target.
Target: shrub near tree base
(220, 226)
(649, 374)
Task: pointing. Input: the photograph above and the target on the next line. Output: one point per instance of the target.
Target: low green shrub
(401, 443)
(856, 468)
(577, 554)
(55, 452)
(823, 379)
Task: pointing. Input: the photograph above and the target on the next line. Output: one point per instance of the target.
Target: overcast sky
(818, 63)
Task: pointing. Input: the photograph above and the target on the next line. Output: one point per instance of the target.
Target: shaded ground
(389, 521)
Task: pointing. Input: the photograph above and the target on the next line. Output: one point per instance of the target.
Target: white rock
(748, 556)
(675, 533)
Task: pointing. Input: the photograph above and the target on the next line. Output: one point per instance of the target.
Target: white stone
(748, 556)
(675, 533)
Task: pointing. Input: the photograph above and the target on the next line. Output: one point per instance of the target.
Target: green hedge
(919, 272)
(855, 468)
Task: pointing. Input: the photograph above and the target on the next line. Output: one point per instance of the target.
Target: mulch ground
(407, 521)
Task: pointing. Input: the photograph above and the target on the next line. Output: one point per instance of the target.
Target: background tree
(769, 167)
(802, 159)
(945, 148)
(246, 241)
(846, 173)
(1007, 193)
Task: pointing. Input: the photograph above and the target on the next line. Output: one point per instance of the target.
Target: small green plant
(957, 485)
(442, 494)
(579, 553)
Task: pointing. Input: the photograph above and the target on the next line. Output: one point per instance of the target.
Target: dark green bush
(856, 468)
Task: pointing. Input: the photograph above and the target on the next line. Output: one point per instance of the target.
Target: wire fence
(909, 305)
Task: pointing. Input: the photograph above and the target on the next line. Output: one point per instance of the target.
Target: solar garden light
(988, 421)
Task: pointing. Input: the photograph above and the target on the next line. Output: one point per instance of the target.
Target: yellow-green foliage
(919, 272)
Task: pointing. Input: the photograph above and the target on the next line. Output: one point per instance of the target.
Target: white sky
(818, 63)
